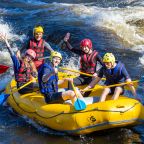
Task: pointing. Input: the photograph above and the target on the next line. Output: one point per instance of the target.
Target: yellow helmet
(38, 29)
(109, 57)
(55, 54)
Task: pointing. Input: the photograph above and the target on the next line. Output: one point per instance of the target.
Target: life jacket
(115, 76)
(52, 84)
(24, 74)
(88, 64)
(39, 50)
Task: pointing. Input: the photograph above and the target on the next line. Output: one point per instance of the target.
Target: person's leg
(69, 95)
(117, 92)
(26, 89)
(54, 97)
(105, 92)
(79, 94)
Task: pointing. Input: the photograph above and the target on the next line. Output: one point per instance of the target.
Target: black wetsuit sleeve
(74, 50)
(100, 74)
(99, 59)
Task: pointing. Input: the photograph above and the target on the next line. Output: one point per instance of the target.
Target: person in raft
(48, 81)
(38, 44)
(88, 61)
(115, 72)
(24, 69)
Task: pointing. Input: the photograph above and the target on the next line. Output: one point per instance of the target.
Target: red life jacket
(39, 50)
(24, 74)
(88, 64)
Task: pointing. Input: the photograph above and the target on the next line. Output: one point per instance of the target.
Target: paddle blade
(3, 98)
(3, 68)
(79, 104)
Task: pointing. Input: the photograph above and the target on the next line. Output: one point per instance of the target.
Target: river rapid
(115, 26)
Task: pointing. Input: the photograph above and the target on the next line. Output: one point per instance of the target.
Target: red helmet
(86, 42)
(31, 53)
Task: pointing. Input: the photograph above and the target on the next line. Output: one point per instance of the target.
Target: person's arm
(69, 46)
(95, 81)
(47, 74)
(74, 50)
(48, 47)
(15, 60)
(128, 79)
(8, 46)
(92, 84)
(99, 59)
(131, 87)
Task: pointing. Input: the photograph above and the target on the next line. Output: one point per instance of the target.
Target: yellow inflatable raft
(63, 117)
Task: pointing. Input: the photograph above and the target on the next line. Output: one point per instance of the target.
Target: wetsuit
(39, 53)
(48, 83)
(17, 67)
(116, 75)
(82, 79)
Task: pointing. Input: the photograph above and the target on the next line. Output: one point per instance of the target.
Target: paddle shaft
(114, 85)
(43, 57)
(76, 71)
(74, 89)
(78, 104)
(25, 85)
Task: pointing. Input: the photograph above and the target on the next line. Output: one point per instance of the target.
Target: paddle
(3, 96)
(3, 68)
(33, 80)
(43, 57)
(115, 85)
(76, 71)
(78, 104)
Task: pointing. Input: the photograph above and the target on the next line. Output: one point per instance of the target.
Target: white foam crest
(72, 64)
(4, 80)
(141, 59)
(3, 11)
(114, 19)
(6, 28)
(34, 2)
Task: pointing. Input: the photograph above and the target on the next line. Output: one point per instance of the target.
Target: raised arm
(69, 46)
(15, 60)
(4, 38)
